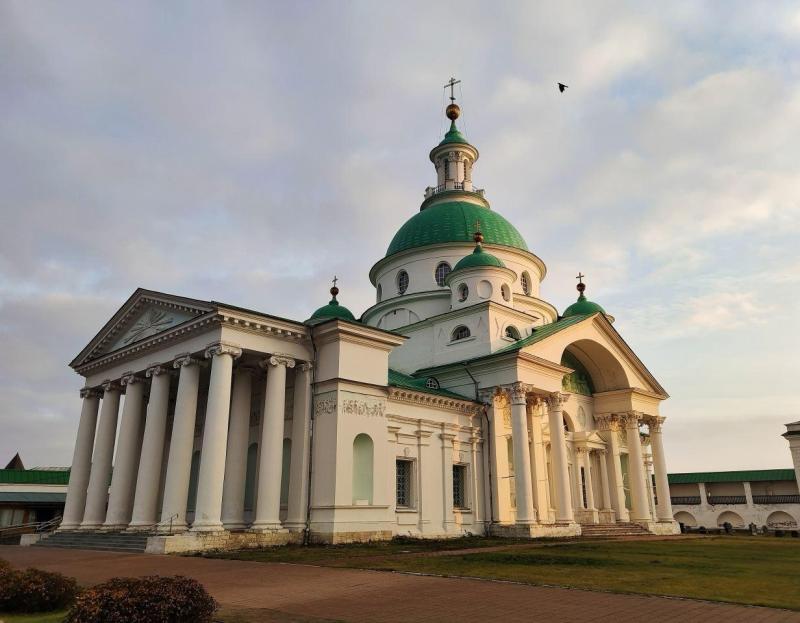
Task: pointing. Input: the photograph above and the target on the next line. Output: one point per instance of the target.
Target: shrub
(4, 566)
(34, 590)
(152, 599)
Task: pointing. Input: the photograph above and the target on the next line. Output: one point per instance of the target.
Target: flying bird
(562, 87)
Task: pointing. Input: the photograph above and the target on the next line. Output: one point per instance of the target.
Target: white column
(268, 503)
(604, 481)
(145, 505)
(610, 427)
(478, 513)
(236, 454)
(640, 508)
(179, 461)
(123, 478)
(97, 492)
(558, 450)
(81, 461)
(664, 510)
(208, 513)
(541, 496)
(301, 447)
(522, 458)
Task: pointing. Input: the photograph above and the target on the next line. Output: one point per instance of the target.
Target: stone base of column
(623, 516)
(586, 515)
(607, 515)
(234, 527)
(117, 527)
(219, 541)
(209, 526)
(295, 526)
(665, 527)
(176, 528)
(536, 530)
(71, 527)
(265, 527)
(90, 527)
(140, 527)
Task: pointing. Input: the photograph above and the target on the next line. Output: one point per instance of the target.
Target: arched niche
(687, 519)
(732, 518)
(596, 368)
(781, 519)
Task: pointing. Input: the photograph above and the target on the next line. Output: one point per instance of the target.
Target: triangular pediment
(145, 314)
(600, 348)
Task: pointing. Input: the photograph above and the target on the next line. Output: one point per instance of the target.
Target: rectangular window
(404, 473)
(460, 486)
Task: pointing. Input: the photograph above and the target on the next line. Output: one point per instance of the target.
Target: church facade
(459, 403)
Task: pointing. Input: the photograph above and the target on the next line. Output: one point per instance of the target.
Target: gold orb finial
(453, 112)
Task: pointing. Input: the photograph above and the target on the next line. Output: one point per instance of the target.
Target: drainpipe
(487, 436)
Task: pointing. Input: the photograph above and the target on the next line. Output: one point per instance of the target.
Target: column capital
(631, 420)
(655, 422)
(156, 370)
(519, 392)
(486, 396)
(185, 359)
(129, 378)
(582, 450)
(556, 400)
(607, 421)
(305, 366)
(221, 348)
(602, 452)
(110, 386)
(90, 392)
(277, 360)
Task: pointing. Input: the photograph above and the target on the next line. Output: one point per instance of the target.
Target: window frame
(463, 468)
(411, 501)
(402, 288)
(525, 283)
(511, 327)
(443, 282)
(455, 338)
(463, 292)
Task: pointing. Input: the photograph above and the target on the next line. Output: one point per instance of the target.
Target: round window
(463, 292)
(442, 270)
(402, 282)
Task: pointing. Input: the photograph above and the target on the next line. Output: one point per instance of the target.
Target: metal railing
(32, 527)
(685, 500)
(156, 527)
(776, 499)
(727, 499)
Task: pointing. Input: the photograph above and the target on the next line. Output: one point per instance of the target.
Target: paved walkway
(284, 592)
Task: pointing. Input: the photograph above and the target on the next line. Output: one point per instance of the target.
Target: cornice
(421, 399)
(433, 424)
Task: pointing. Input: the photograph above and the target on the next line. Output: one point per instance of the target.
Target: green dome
(477, 258)
(454, 221)
(453, 136)
(333, 310)
(583, 307)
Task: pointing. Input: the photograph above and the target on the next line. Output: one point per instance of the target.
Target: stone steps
(102, 541)
(612, 529)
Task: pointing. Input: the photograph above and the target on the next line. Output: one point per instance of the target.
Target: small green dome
(332, 309)
(454, 221)
(478, 258)
(583, 307)
(453, 135)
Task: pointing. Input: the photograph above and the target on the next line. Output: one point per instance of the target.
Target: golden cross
(452, 83)
(335, 279)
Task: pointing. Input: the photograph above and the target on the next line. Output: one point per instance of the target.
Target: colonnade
(132, 501)
(530, 477)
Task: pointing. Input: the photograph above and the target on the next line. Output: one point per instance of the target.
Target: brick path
(284, 592)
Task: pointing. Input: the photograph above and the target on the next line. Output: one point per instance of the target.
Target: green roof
(454, 221)
(583, 307)
(453, 136)
(333, 310)
(540, 333)
(753, 475)
(404, 381)
(478, 258)
(34, 477)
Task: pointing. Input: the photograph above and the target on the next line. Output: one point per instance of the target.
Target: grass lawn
(42, 617)
(761, 571)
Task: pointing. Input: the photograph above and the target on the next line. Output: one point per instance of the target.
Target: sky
(247, 151)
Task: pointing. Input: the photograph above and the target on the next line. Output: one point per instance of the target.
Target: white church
(459, 403)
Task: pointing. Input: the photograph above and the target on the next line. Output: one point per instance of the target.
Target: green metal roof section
(753, 475)
(583, 307)
(33, 477)
(478, 258)
(543, 332)
(454, 221)
(404, 381)
(333, 310)
(40, 497)
(454, 136)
